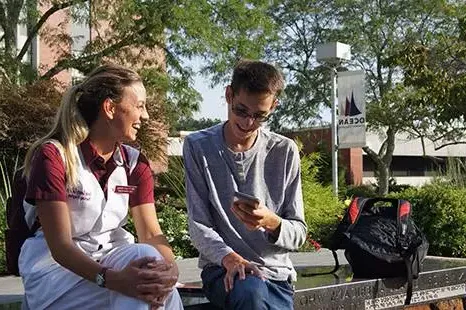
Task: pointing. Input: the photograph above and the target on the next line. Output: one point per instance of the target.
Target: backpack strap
(409, 277)
(337, 263)
(410, 257)
(335, 268)
(403, 216)
(355, 210)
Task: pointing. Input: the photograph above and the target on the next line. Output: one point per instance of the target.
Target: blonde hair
(79, 109)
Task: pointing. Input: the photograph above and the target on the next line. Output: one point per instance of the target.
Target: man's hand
(235, 264)
(255, 215)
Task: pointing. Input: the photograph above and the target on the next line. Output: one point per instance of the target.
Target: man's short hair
(257, 77)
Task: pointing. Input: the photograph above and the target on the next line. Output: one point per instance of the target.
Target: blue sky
(213, 104)
(213, 99)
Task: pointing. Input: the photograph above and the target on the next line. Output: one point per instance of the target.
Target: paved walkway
(11, 287)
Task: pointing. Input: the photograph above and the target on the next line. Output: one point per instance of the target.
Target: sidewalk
(11, 287)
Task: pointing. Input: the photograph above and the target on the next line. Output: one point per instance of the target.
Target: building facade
(411, 164)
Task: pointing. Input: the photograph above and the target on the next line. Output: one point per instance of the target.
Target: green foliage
(433, 71)
(324, 173)
(454, 173)
(172, 181)
(301, 26)
(439, 210)
(173, 219)
(321, 208)
(191, 124)
(6, 178)
(387, 38)
(365, 190)
(393, 187)
(26, 113)
(156, 38)
(371, 190)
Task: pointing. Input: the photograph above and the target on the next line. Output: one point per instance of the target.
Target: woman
(81, 182)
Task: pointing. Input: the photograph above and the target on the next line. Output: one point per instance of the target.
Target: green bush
(323, 165)
(173, 220)
(322, 209)
(439, 210)
(6, 178)
(172, 181)
(365, 190)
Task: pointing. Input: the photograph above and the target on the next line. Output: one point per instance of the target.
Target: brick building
(315, 138)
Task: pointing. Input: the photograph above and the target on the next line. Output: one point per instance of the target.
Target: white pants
(84, 294)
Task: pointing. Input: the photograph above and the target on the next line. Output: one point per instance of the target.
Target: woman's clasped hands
(147, 279)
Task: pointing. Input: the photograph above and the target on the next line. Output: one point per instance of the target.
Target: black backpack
(381, 241)
(17, 230)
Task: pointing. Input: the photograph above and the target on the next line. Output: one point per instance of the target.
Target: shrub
(365, 190)
(173, 220)
(6, 178)
(322, 209)
(172, 181)
(26, 113)
(439, 209)
(323, 163)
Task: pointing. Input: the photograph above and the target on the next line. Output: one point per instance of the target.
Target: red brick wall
(351, 159)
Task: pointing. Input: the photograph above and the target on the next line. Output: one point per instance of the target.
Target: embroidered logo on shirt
(80, 195)
(124, 189)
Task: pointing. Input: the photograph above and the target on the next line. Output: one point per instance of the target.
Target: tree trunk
(384, 175)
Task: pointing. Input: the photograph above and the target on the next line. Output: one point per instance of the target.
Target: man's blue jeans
(248, 294)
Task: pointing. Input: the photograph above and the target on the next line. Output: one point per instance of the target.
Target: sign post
(332, 54)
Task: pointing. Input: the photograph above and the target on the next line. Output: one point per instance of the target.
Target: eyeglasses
(256, 117)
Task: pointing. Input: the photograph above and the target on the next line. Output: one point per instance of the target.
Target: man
(244, 243)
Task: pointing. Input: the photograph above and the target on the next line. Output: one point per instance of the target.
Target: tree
(19, 127)
(302, 25)
(153, 36)
(377, 31)
(435, 73)
(191, 124)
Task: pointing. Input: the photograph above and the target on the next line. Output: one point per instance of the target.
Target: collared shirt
(48, 178)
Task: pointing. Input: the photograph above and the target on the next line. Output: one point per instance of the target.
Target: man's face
(247, 111)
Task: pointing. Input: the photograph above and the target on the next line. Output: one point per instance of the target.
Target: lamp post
(332, 54)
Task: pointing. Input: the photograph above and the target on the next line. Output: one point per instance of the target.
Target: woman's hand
(167, 275)
(146, 279)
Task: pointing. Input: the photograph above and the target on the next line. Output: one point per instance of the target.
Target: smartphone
(246, 197)
(252, 199)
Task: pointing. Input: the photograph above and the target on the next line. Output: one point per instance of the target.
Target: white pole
(334, 132)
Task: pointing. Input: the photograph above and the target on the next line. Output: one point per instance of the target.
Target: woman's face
(130, 112)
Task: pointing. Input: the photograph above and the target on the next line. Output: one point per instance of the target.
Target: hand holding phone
(248, 200)
(246, 197)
